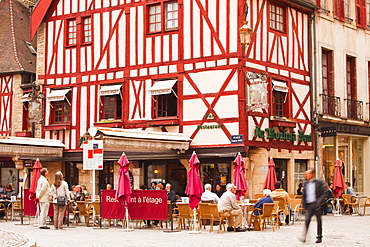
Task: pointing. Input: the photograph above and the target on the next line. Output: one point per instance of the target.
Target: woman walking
(59, 189)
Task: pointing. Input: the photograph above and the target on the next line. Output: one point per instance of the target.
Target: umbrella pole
(37, 214)
(195, 225)
(338, 208)
(127, 229)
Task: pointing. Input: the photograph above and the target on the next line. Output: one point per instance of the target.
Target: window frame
(64, 104)
(79, 31)
(329, 85)
(351, 83)
(274, 20)
(283, 96)
(117, 107)
(156, 99)
(163, 17)
(83, 30)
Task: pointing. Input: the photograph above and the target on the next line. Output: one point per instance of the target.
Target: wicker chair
(204, 213)
(366, 204)
(226, 215)
(185, 213)
(213, 209)
(349, 205)
(264, 216)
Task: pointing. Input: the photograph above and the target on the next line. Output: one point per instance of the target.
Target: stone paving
(338, 231)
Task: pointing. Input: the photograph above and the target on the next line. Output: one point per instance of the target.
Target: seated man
(348, 189)
(279, 192)
(208, 195)
(266, 199)
(227, 206)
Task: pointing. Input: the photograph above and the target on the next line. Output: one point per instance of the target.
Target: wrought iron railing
(355, 109)
(330, 105)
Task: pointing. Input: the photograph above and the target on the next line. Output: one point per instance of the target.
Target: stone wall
(17, 105)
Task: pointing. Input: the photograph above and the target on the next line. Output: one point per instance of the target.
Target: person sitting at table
(153, 186)
(9, 192)
(348, 189)
(108, 187)
(171, 194)
(219, 190)
(84, 190)
(227, 206)
(279, 192)
(159, 186)
(208, 195)
(79, 194)
(266, 199)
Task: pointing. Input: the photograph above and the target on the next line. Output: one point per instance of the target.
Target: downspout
(314, 92)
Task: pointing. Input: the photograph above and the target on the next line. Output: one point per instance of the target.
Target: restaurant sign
(272, 134)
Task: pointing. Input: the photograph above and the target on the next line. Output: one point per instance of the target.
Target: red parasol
(271, 176)
(338, 183)
(123, 193)
(194, 187)
(35, 177)
(239, 177)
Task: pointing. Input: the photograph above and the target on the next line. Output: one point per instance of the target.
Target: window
(79, 31)
(111, 107)
(72, 32)
(327, 73)
(324, 4)
(111, 102)
(87, 32)
(277, 17)
(61, 106)
(163, 16)
(351, 78)
(279, 96)
(165, 98)
(106, 176)
(347, 9)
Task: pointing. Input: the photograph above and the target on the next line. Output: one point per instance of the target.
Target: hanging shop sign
(257, 91)
(272, 134)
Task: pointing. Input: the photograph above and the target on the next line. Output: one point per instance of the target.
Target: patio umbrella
(123, 193)
(35, 177)
(239, 177)
(194, 187)
(338, 183)
(271, 176)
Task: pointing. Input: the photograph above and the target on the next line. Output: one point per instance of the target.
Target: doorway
(281, 172)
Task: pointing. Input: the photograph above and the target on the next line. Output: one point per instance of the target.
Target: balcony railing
(355, 109)
(330, 105)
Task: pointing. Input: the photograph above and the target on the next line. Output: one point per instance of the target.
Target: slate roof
(15, 56)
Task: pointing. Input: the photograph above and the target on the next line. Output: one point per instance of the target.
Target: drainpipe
(315, 94)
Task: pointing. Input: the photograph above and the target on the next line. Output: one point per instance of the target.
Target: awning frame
(173, 82)
(64, 96)
(101, 86)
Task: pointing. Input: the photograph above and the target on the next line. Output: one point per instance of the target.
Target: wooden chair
(204, 213)
(3, 209)
(172, 213)
(275, 214)
(296, 209)
(292, 196)
(96, 213)
(226, 215)
(366, 204)
(282, 208)
(348, 204)
(213, 209)
(83, 210)
(264, 216)
(254, 201)
(185, 213)
(15, 209)
(256, 196)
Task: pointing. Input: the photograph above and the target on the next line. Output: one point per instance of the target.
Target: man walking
(43, 196)
(312, 200)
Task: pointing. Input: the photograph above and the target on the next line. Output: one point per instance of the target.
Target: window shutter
(318, 3)
(339, 9)
(361, 13)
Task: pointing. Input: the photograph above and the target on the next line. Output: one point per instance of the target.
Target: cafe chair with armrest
(3, 210)
(204, 214)
(296, 209)
(366, 204)
(213, 209)
(256, 196)
(349, 205)
(184, 213)
(265, 216)
(226, 216)
(275, 214)
(85, 211)
(283, 208)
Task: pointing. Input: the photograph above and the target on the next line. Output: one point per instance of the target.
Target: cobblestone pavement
(338, 231)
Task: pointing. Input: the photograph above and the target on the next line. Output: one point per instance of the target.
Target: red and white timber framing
(6, 93)
(203, 54)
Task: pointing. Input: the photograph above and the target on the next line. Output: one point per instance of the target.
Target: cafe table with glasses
(246, 206)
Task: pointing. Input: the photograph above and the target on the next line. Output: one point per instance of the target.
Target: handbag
(61, 200)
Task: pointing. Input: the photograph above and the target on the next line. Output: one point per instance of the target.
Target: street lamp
(245, 35)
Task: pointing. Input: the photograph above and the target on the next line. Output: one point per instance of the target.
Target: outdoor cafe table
(10, 205)
(245, 207)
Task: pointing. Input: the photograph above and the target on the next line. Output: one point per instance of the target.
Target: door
(281, 172)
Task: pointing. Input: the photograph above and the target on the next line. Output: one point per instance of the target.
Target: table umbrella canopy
(239, 177)
(338, 183)
(271, 176)
(35, 177)
(123, 193)
(194, 188)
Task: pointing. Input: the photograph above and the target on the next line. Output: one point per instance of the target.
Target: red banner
(30, 205)
(144, 205)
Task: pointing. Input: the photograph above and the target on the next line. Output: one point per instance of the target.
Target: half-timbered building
(342, 96)
(159, 79)
(18, 95)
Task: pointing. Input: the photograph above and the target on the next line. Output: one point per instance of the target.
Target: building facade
(342, 82)
(159, 79)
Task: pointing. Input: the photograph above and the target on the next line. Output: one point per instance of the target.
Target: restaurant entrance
(281, 172)
(215, 173)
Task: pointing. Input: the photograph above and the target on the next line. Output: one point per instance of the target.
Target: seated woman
(9, 192)
(79, 194)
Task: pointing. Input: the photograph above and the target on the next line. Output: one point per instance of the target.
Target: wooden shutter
(339, 9)
(361, 13)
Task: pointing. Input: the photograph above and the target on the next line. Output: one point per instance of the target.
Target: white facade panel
(222, 27)
(149, 50)
(140, 35)
(158, 49)
(74, 102)
(187, 36)
(122, 41)
(227, 106)
(73, 61)
(233, 83)
(93, 108)
(97, 34)
(133, 44)
(67, 7)
(68, 62)
(233, 128)
(196, 31)
(206, 39)
(210, 81)
(207, 136)
(234, 28)
(74, 8)
(83, 5)
(175, 47)
(189, 113)
(73, 139)
(166, 48)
